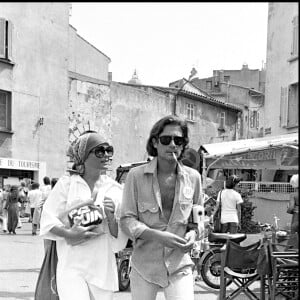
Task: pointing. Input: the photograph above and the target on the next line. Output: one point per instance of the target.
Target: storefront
(265, 165)
(13, 171)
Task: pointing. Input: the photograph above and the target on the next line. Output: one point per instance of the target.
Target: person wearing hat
(157, 203)
(81, 214)
(293, 206)
(230, 201)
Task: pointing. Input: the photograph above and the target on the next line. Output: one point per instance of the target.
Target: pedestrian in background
(230, 201)
(35, 199)
(5, 193)
(45, 189)
(12, 209)
(53, 182)
(157, 203)
(47, 242)
(293, 206)
(86, 266)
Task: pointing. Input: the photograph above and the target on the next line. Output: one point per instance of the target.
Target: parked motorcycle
(207, 256)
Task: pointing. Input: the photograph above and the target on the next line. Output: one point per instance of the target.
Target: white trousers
(181, 287)
(72, 286)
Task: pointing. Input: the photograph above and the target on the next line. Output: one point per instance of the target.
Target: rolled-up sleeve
(53, 207)
(129, 209)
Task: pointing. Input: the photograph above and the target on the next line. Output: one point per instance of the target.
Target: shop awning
(274, 152)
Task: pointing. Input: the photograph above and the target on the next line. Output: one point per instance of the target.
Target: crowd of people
(23, 201)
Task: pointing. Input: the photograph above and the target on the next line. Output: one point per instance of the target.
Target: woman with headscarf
(86, 266)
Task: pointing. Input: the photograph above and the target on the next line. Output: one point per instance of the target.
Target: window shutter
(283, 106)
(295, 46)
(257, 120)
(2, 37)
(251, 119)
(9, 40)
(3, 111)
(222, 120)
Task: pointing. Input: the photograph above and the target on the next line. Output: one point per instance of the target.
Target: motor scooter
(206, 254)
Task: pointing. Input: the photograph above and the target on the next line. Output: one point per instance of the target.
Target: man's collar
(151, 167)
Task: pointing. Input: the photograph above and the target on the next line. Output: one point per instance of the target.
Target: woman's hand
(109, 207)
(78, 234)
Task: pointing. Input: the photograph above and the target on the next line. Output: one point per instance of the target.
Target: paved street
(21, 257)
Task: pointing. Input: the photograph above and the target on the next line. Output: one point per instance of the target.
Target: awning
(276, 152)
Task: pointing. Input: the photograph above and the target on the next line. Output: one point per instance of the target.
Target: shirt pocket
(148, 213)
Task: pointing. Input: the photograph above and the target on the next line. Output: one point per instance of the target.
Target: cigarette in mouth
(174, 155)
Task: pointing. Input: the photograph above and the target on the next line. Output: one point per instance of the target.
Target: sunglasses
(166, 140)
(101, 150)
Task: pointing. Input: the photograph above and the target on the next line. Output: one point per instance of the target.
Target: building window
(5, 110)
(208, 85)
(254, 119)
(293, 105)
(222, 121)
(226, 78)
(289, 106)
(295, 40)
(283, 106)
(5, 39)
(190, 111)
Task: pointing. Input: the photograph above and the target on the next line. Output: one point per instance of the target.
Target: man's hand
(190, 240)
(170, 240)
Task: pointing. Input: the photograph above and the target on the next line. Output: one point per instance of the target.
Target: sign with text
(285, 158)
(19, 164)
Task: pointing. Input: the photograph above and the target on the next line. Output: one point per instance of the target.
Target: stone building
(282, 91)
(244, 88)
(40, 57)
(54, 83)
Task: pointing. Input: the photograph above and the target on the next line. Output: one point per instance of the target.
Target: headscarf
(80, 149)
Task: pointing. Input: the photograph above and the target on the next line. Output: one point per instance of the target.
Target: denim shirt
(142, 208)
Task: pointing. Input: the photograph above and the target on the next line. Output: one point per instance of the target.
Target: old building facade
(244, 88)
(282, 95)
(40, 56)
(48, 94)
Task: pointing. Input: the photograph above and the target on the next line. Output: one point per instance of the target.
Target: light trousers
(181, 287)
(74, 287)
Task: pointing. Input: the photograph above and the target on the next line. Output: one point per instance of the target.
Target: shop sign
(18, 164)
(276, 158)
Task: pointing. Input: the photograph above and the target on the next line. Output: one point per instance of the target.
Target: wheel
(123, 275)
(211, 269)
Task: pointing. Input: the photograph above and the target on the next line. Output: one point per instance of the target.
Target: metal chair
(284, 277)
(239, 264)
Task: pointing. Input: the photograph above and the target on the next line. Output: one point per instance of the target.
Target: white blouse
(94, 259)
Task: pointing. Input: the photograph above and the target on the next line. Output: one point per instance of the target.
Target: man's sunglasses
(101, 150)
(166, 140)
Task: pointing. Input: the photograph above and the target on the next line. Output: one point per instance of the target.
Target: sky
(163, 41)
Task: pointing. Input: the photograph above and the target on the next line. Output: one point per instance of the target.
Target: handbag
(46, 288)
(217, 217)
(86, 215)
